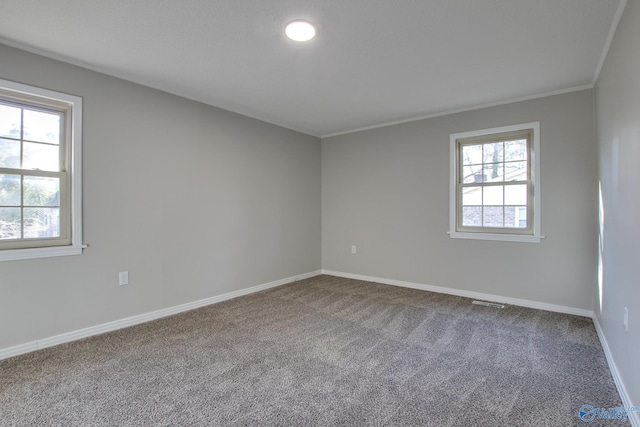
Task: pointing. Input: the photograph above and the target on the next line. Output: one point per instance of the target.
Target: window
(40, 173)
(495, 190)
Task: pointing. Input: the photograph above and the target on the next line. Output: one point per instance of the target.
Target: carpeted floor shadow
(321, 351)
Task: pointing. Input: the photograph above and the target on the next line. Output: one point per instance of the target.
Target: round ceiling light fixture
(300, 30)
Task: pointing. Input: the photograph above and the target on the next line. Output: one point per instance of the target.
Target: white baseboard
(467, 294)
(634, 417)
(141, 318)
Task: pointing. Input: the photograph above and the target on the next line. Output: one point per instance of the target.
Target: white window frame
(29, 95)
(534, 236)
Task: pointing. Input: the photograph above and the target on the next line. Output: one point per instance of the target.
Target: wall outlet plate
(626, 319)
(124, 278)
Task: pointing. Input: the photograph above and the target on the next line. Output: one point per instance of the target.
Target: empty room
(303, 213)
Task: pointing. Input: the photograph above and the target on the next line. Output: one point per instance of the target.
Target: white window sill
(497, 237)
(32, 253)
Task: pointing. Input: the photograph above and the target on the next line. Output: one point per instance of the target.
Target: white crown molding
(139, 81)
(194, 97)
(462, 110)
(607, 45)
(142, 318)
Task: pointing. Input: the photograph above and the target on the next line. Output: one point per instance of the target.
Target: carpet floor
(321, 351)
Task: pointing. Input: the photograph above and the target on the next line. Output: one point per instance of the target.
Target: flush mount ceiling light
(300, 31)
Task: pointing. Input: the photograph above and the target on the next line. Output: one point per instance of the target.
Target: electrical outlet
(353, 249)
(626, 319)
(124, 278)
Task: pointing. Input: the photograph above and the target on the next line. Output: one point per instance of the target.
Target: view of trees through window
(494, 178)
(30, 141)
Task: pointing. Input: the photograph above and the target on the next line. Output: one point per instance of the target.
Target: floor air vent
(488, 304)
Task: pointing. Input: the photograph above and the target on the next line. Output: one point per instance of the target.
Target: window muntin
(494, 184)
(40, 195)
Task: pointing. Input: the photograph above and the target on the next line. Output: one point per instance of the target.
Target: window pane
(515, 150)
(515, 194)
(472, 196)
(41, 156)
(41, 191)
(9, 223)
(492, 152)
(472, 216)
(9, 154)
(10, 189)
(41, 222)
(471, 154)
(41, 127)
(10, 121)
(492, 216)
(521, 216)
(492, 195)
(515, 171)
(494, 172)
(472, 174)
(515, 216)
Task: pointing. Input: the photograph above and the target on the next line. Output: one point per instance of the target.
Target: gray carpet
(322, 351)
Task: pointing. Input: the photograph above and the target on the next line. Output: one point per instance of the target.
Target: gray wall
(192, 200)
(195, 202)
(618, 113)
(387, 191)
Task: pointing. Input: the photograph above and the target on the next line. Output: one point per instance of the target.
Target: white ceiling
(373, 61)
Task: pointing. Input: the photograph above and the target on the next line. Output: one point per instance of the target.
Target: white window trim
(75, 168)
(535, 162)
